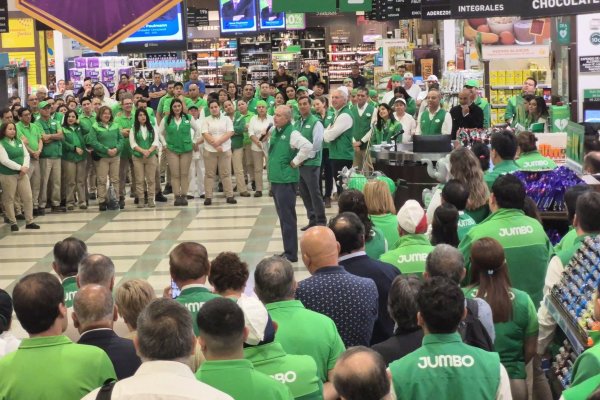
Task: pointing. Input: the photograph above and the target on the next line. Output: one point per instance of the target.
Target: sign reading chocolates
(436, 9)
(548, 8)
(482, 8)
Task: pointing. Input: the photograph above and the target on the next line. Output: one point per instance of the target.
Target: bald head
(93, 307)
(360, 374)
(97, 269)
(319, 248)
(465, 97)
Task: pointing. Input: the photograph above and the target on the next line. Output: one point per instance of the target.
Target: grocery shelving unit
(209, 55)
(313, 46)
(342, 56)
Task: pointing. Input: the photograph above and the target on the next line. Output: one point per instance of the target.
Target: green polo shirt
(240, 380)
(410, 254)
(582, 390)
(193, 298)
(465, 223)
(296, 326)
(526, 246)
(200, 103)
(567, 240)
(502, 168)
(53, 367)
(69, 285)
(533, 161)
(53, 149)
(33, 133)
(297, 372)
(586, 366)
(388, 224)
(86, 122)
(567, 252)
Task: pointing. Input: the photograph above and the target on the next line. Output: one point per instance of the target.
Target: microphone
(267, 130)
(395, 135)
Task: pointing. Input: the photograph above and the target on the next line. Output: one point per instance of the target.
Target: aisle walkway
(139, 240)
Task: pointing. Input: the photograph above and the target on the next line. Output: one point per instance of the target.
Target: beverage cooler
(13, 81)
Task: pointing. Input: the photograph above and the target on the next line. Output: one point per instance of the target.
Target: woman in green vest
(14, 164)
(144, 143)
(179, 131)
(529, 158)
(321, 108)
(386, 125)
(465, 167)
(279, 101)
(537, 114)
(107, 141)
(515, 316)
(237, 144)
(411, 104)
(353, 200)
(382, 210)
(74, 162)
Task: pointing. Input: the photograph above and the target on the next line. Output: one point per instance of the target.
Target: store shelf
(571, 331)
(498, 105)
(313, 48)
(347, 62)
(554, 215)
(518, 87)
(255, 52)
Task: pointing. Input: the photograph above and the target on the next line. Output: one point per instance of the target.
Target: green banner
(560, 116)
(304, 5)
(356, 5)
(574, 151)
(591, 94)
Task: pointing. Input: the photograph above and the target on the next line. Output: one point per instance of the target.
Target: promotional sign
(202, 17)
(549, 8)
(436, 9)
(20, 34)
(589, 64)
(304, 6)
(560, 117)
(268, 18)
(515, 51)
(238, 16)
(575, 139)
(482, 8)
(110, 22)
(295, 21)
(3, 16)
(563, 31)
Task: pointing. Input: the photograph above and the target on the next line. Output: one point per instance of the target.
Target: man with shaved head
(94, 315)
(349, 300)
(465, 114)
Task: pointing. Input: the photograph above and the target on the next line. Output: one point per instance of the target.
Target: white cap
(432, 78)
(257, 320)
(412, 217)
(400, 99)
(344, 89)
(408, 75)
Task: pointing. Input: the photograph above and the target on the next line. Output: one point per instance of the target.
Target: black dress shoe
(136, 201)
(20, 217)
(258, 193)
(14, 228)
(189, 197)
(41, 211)
(36, 213)
(307, 227)
(202, 196)
(184, 201)
(231, 200)
(177, 201)
(102, 207)
(92, 196)
(168, 189)
(32, 226)
(121, 202)
(207, 202)
(253, 185)
(270, 193)
(58, 209)
(160, 197)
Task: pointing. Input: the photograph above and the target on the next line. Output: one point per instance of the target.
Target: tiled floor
(139, 240)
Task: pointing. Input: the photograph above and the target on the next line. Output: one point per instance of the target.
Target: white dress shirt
(8, 163)
(414, 91)
(217, 127)
(317, 134)
(341, 123)
(8, 343)
(257, 126)
(387, 97)
(163, 380)
(409, 125)
(446, 125)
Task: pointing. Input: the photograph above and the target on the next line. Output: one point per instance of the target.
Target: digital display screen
(237, 16)
(591, 116)
(268, 18)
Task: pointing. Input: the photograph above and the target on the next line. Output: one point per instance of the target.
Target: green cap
(372, 92)
(473, 83)
(304, 88)
(44, 104)
(347, 80)
(261, 103)
(397, 78)
(354, 92)
(302, 78)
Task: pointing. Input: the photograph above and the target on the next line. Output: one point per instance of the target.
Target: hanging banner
(312, 6)
(482, 8)
(436, 9)
(109, 22)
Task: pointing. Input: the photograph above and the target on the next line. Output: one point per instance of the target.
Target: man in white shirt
(396, 82)
(431, 83)
(339, 134)
(410, 86)
(165, 341)
(217, 131)
(434, 120)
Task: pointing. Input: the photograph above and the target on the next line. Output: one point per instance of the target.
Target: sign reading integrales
(436, 9)
(548, 8)
(482, 8)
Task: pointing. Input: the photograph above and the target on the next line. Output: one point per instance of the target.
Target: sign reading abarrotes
(99, 25)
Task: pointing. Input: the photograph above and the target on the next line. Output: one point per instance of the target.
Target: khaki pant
(223, 161)
(91, 173)
(248, 162)
(179, 165)
(144, 168)
(73, 181)
(359, 159)
(50, 174)
(258, 158)
(124, 166)
(11, 185)
(106, 168)
(237, 158)
(163, 170)
(34, 180)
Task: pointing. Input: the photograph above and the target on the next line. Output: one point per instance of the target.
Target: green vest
(526, 246)
(239, 128)
(446, 368)
(69, 285)
(485, 107)
(341, 148)
(432, 126)
(33, 134)
(143, 143)
(179, 138)
(582, 390)
(193, 298)
(511, 335)
(126, 123)
(297, 372)
(53, 149)
(410, 254)
(73, 140)
(102, 138)
(306, 127)
(280, 156)
(502, 168)
(517, 110)
(240, 380)
(533, 161)
(15, 153)
(384, 134)
(362, 124)
(465, 223)
(86, 123)
(567, 241)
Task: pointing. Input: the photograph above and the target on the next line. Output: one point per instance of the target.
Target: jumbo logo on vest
(415, 257)
(443, 361)
(540, 163)
(285, 377)
(193, 307)
(69, 296)
(515, 231)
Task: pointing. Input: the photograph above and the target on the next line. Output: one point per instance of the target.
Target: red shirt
(128, 86)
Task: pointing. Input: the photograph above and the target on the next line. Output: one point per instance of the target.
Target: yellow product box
(509, 77)
(493, 96)
(494, 116)
(501, 78)
(526, 74)
(518, 78)
(494, 78)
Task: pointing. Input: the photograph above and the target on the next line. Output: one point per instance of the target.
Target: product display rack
(314, 50)
(209, 56)
(453, 82)
(343, 56)
(255, 55)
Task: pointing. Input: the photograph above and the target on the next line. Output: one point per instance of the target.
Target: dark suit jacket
(474, 118)
(382, 274)
(399, 345)
(120, 351)
(244, 8)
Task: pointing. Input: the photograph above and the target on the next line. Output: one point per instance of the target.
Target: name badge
(307, 126)
(368, 114)
(187, 122)
(437, 120)
(283, 136)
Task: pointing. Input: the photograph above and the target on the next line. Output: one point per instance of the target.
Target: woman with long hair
(465, 167)
(401, 93)
(178, 130)
(321, 110)
(74, 162)
(144, 142)
(538, 115)
(14, 165)
(386, 125)
(232, 90)
(444, 227)
(515, 316)
(382, 211)
(107, 141)
(353, 200)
